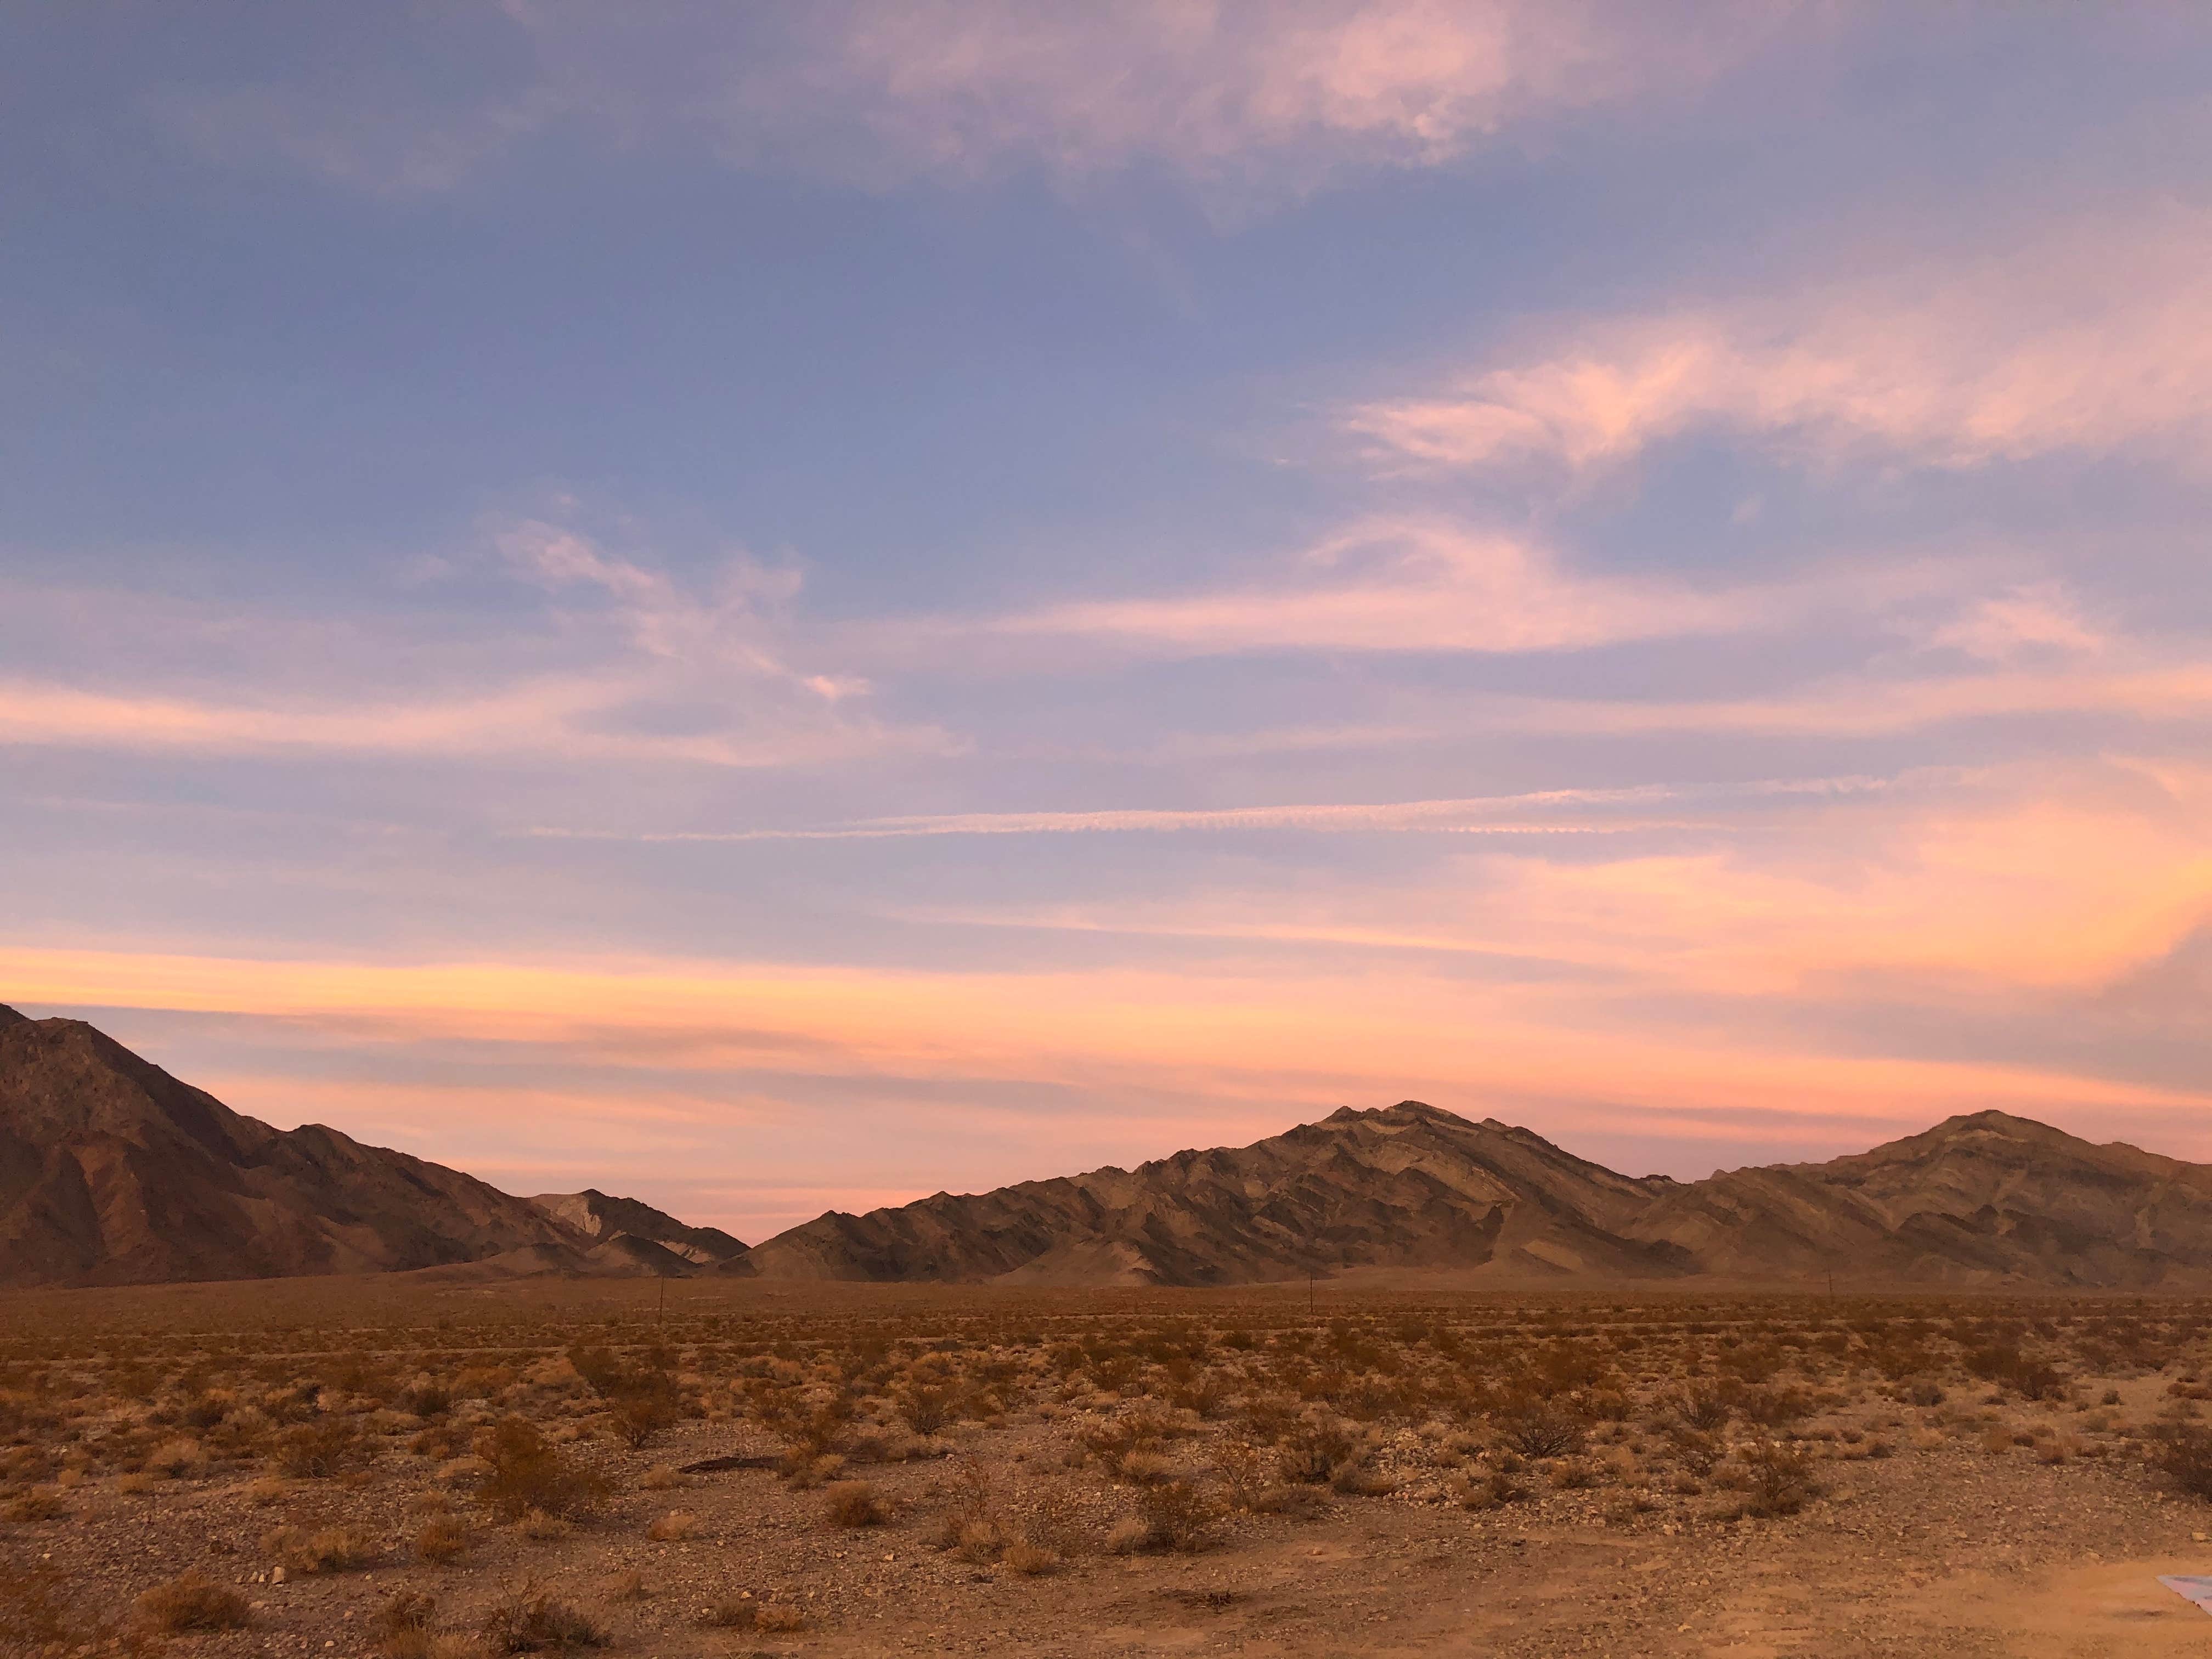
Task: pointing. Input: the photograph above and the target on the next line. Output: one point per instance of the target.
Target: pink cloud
(1256, 97)
(1426, 584)
(2095, 338)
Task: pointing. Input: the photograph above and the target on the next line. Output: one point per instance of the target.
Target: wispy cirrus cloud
(615, 658)
(1265, 98)
(1414, 583)
(1534, 813)
(2094, 337)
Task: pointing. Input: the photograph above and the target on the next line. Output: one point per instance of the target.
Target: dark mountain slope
(1977, 1200)
(1404, 1186)
(113, 1172)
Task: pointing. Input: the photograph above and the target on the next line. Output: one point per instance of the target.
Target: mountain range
(112, 1172)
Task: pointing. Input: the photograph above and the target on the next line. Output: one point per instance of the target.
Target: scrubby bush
(2183, 1455)
(321, 1449)
(194, 1602)
(530, 1618)
(1543, 1430)
(525, 1474)
(441, 1540)
(853, 1504)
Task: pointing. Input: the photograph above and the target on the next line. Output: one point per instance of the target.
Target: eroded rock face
(113, 1172)
(610, 1221)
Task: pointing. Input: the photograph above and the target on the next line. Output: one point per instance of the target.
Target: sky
(773, 608)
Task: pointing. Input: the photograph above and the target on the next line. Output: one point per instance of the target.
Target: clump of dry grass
(543, 1529)
(331, 1549)
(39, 1503)
(744, 1613)
(194, 1602)
(1175, 1516)
(853, 1504)
(177, 1459)
(1471, 1490)
(1029, 1560)
(673, 1526)
(442, 1540)
(532, 1619)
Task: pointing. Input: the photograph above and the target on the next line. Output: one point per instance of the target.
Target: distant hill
(1408, 1186)
(113, 1172)
(1987, 1200)
(609, 1221)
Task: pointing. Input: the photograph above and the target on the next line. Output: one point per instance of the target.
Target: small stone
(276, 1575)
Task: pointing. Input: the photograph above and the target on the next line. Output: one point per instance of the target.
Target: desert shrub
(442, 1539)
(173, 1460)
(320, 1449)
(543, 1529)
(1133, 1433)
(1773, 1408)
(1707, 1410)
(1242, 1472)
(2183, 1455)
(408, 1610)
(1574, 1473)
(530, 1618)
(743, 1613)
(853, 1504)
(39, 1503)
(1781, 1480)
(1482, 1492)
(1146, 1468)
(926, 1408)
(641, 1395)
(428, 1399)
(193, 1602)
(2004, 1364)
(1312, 1451)
(1177, 1515)
(525, 1474)
(1543, 1430)
(1029, 1560)
(331, 1549)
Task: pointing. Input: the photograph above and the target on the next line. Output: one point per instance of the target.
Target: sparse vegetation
(1020, 1437)
(532, 1619)
(194, 1602)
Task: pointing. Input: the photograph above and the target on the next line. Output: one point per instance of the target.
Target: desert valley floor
(1383, 1465)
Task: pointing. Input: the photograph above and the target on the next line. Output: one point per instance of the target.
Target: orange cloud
(1304, 1035)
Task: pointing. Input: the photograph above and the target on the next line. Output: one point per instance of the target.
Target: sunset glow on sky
(773, 608)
